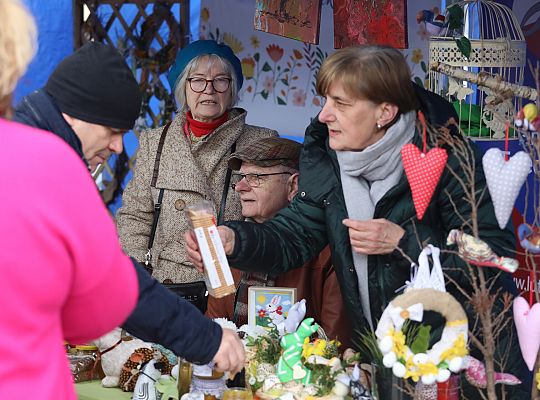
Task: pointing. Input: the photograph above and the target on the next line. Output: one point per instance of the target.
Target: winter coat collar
(39, 110)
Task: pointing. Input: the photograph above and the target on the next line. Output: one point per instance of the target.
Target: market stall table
(93, 390)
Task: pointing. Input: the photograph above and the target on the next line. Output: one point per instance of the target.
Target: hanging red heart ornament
(423, 171)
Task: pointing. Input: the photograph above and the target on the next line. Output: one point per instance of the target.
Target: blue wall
(54, 20)
(55, 41)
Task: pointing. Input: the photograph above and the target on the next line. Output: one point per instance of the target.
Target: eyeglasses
(220, 85)
(253, 180)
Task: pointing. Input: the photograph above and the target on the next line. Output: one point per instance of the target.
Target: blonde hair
(376, 73)
(17, 47)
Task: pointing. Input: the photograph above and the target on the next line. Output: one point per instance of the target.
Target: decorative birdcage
(497, 55)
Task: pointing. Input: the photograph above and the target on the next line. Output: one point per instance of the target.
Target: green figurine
(290, 365)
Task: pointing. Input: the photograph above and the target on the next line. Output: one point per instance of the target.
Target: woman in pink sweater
(62, 272)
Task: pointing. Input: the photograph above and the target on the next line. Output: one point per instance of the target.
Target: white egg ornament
(443, 375)
(456, 364)
(399, 370)
(429, 379)
(389, 359)
(420, 358)
(386, 344)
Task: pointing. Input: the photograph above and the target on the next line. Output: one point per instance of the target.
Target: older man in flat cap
(266, 181)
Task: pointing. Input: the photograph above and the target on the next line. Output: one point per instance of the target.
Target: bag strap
(158, 154)
(157, 206)
(221, 214)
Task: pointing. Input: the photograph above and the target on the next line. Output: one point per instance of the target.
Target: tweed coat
(189, 172)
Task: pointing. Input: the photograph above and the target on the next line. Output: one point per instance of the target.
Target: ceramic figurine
(290, 365)
(296, 314)
(145, 388)
(477, 252)
(434, 21)
(358, 391)
(529, 238)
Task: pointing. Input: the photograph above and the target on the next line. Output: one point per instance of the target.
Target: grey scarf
(366, 176)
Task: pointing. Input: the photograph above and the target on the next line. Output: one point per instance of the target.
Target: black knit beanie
(95, 85)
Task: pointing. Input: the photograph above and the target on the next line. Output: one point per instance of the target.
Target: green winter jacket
(315, 217)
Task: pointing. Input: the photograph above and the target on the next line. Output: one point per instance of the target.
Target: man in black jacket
(90, 100)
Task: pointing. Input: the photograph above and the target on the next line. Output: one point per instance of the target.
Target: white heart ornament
(298, 372)
(527, 320)
(504, 180)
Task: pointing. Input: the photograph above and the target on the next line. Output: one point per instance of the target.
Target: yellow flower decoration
(399, 343)
(417, 56)
(458, 349)
(412, 372)
(317, 348)
(427, 368)
(233, 43)
(255, 42)
(334, 342)
(538, 380)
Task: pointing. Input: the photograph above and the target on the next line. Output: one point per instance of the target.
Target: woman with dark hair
(355, 196)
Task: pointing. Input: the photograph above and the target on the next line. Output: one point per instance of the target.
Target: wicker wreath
(444, 357)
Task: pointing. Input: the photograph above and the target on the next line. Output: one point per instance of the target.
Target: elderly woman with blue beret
(192, 161)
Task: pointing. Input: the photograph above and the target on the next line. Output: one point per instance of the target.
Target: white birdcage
(498, 48)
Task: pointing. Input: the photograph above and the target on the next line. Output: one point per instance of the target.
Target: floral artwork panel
(269, 306)
(370, 22)
(295, 19)
(279, 89)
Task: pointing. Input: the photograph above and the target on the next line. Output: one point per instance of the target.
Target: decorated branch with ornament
(424, 168)
(527, 310)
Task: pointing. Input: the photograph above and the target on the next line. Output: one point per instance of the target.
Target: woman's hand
(230, 356)
(374, 236)
(192, 247)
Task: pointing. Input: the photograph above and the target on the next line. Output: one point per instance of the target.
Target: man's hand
(230, 356)
(192, 247)
(374, 236)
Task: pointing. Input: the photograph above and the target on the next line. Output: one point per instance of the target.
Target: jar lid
(216, 375)
(86, 347)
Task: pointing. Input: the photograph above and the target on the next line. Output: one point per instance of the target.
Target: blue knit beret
(201, 47)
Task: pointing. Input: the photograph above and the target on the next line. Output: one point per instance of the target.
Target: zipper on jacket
(381, 287)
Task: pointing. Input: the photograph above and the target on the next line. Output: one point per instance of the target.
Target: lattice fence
(148, 34)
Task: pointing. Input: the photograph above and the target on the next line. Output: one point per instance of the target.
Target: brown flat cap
(267, 153)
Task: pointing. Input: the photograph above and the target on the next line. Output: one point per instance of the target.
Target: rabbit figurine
(275, 311)
(296, 314)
